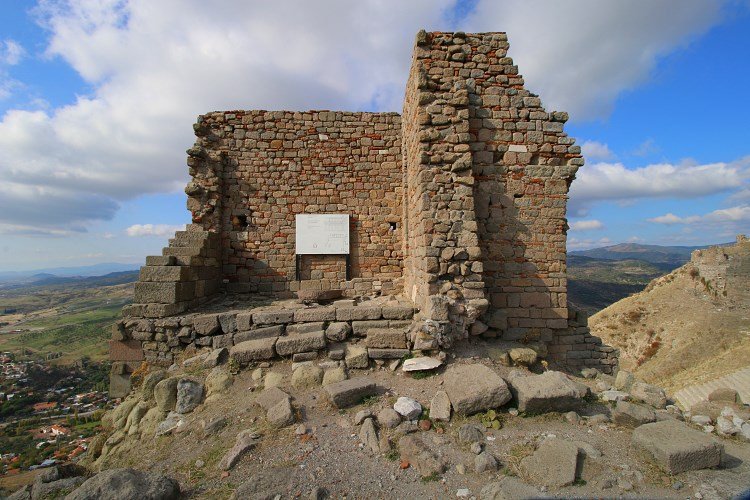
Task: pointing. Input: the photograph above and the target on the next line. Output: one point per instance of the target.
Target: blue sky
(97, 98)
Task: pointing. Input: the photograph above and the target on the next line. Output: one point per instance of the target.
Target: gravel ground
(331, 457)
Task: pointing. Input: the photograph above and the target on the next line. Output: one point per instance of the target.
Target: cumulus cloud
(721, 216)
(154, 66)
(161, 230)
(586, 225)
(593, 150)
(579, 55)
(616, 182)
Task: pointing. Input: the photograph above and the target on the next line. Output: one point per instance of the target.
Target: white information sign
(322, 234)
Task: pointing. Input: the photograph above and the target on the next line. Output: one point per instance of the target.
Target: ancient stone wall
(725, 271)
(275, 165)
(487, 176)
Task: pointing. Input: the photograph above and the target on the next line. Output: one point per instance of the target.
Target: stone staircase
(739, 381)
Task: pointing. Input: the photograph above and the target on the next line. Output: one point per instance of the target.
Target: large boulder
(550, 391)
(676, 447)
(189, 395)
(474, 388)
(165, 393)
(127, 484)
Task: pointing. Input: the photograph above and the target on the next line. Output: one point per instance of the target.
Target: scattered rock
(676, 447)
(632, 415)
(425, 425)
(216, 357)
(572, 417)
(474, 388)
(440, 407)
(362, 415)
(550, 391)
(589, 373)
(649, 394)
(281, 414)
(723, 394)
(270, 397)
(245, 441)
(508, 488)
(421, 363)
(214, 425)
(307, 376)
(334, 375)
(624, 380)
(273, 379)
(614, 395)
(701, 420)
(408, 408)
(475, 448)
(553, 464)
(170, 424)
(485, 462)
(725, 426)
(127, 484)
(388, 418)
(149, 382)
(416, 452)
(356, 357)
(189, 395)
(219, 380)
(350, 392)
(369, 436)
(523, 356)
(338, 331)
(259, 486)
(165, 393)
(470, 433)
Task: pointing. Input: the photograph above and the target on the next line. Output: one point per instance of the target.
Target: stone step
(739, 381)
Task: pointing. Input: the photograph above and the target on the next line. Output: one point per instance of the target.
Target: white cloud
(585, 244)
(161, 230)
(725, 215)
(615, 182)
(154, 66)
(586, 225)
(593, 150)
(11, 52)
(579, 55)
(646, 148)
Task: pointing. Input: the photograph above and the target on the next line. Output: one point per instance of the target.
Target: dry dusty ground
(330, 456)
(675, 333)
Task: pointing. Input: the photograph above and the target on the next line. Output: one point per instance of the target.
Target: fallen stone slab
(614, 395)
(723, 394)
(414, 450)
(421, 363)
(254, 350)
(356, 357)
(553, 464)
(474, 388)
(127, 484)
(350, 392)
(676, 447)
(303, 342)
(550, 391)
(632, 415)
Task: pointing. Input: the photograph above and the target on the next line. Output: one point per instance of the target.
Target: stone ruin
(457, 227)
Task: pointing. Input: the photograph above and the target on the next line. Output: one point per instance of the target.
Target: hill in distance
(689, 326)
(35, 275)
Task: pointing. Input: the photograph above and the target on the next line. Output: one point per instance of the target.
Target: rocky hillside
(688, 327)
(460, 426)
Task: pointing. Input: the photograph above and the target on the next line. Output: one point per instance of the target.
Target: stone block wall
(253, 171)
(487, 172)
(725, 271)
